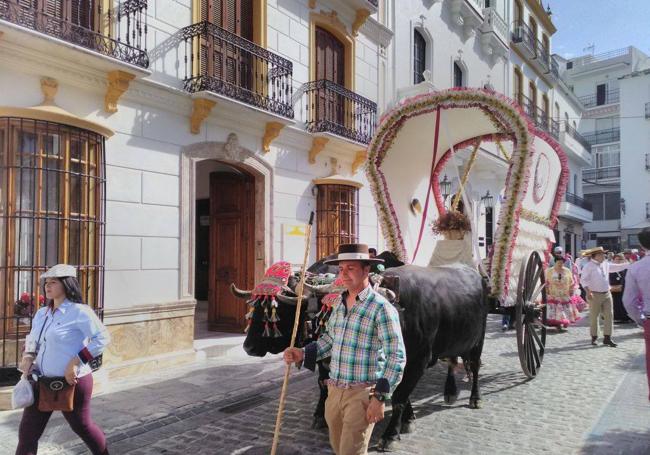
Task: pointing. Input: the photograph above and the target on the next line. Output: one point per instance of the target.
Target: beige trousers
(345, 413)
(601, 303)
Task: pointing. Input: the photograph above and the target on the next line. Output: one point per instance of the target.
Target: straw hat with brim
(592, 251)
(353, 252)
(60, 271)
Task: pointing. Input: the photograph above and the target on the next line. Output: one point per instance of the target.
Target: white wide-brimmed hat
(60, 271)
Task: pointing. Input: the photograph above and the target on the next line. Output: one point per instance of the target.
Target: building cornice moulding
(597, 112)
(377, 32)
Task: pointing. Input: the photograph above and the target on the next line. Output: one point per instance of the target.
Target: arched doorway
(253, 241)
(225, 242)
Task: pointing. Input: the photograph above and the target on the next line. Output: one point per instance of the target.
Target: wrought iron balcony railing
(120, 33)
(219, 61)
(603, 136)
(528, 106)
(329, 107)
(543, 55)
(522, 34)
(577, 200)
(608, 97)
(602, 173)
(571, 131)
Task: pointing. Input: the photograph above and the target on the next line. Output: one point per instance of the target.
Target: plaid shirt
(365, 344)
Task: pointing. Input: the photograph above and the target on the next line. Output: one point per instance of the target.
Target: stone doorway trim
(229, 152)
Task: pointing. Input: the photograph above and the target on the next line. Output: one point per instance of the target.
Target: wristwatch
(379, 396)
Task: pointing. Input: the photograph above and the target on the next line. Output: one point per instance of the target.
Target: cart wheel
(530, 310)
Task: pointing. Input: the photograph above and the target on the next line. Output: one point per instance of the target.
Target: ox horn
(388, 294)
(239, 293)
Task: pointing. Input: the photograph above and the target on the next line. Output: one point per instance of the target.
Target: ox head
(271, 311)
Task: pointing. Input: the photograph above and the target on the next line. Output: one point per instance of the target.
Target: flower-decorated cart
(413, 143)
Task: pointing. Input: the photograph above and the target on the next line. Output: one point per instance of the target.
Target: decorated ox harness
(274, 282)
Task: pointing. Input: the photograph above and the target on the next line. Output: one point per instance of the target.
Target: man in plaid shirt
(364, 340)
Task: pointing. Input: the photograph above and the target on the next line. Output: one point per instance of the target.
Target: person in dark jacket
(617, 286)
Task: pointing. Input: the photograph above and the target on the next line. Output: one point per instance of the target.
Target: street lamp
(445, 187)
(488, 200)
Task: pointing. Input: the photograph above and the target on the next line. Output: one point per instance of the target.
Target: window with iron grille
(419, 57)
(51, 211)
(337, 217)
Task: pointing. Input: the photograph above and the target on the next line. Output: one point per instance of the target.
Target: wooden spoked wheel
(530, 310)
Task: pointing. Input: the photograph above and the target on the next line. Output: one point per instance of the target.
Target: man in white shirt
(595, 281)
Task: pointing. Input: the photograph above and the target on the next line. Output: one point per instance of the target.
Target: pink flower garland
(508, 116)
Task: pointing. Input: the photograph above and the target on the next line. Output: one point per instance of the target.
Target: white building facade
(183, 156)
(538, 85)
(596, 81)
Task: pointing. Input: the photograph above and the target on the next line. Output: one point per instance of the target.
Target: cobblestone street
(585, 400)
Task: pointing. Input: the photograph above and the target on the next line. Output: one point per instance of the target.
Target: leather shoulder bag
(55, 394)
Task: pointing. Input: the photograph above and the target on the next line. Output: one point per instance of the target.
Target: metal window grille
(337, 217)
(52, 186)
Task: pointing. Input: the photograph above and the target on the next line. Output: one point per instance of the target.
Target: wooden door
(231, 248)
(330, 65)
(222, 59)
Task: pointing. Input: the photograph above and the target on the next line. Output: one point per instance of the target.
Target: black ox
(443, 313)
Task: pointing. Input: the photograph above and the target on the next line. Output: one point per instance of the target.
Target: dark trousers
(34, 421)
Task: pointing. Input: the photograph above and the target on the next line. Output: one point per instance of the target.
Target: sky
(607, 24)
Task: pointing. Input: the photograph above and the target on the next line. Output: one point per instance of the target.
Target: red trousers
(34, 421)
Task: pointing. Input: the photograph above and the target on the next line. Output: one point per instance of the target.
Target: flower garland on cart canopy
(509, 120)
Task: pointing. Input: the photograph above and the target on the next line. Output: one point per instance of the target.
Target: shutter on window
(246, 19)
(52, 8)
(81, 12)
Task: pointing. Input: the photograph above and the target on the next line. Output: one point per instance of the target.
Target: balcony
(333, 109)
(114, 39)
(576, 143)
(524, 39)
(571, 131)
(576, 208)
(600, 99)
(577, 200)
(603, 136)
(494, 34)
(221, 64)
(602, 173)
(621, 56)
(540, 117)
(467, 13)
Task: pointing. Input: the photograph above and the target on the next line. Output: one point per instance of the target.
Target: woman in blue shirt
(66, 335)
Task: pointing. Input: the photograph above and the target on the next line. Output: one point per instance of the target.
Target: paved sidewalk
(585, 400)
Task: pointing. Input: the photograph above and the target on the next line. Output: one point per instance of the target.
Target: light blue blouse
(72, 330)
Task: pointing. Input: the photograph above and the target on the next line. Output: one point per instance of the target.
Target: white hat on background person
(60, 271)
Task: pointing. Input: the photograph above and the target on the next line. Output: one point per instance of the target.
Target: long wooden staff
(296, 322)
